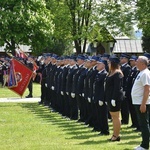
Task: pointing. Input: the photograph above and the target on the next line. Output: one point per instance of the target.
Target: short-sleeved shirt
(137, 92)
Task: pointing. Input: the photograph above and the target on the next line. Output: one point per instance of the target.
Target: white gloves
(73, 95)
(62, 93)
(89, 100)
(82, 94)
(113, 103)
(100, 103)
(45, 84)
(67, 93)
(52, 87)
(124, 94)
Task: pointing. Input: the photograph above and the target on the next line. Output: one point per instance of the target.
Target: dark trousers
(43, 91)
(101, 118)
(73, 108)
(89, 114)
(1, 78)
(133, 114)
(67, 105)
(30, 87)
(80, 105)
(124, 111)
(143, 119)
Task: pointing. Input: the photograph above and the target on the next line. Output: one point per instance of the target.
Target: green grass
(28, 126)
(5, 92)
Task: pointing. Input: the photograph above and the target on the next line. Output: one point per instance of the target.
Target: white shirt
(141, 80)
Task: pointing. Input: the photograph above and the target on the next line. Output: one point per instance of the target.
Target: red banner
(23, 76)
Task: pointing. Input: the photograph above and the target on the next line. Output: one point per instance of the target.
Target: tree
(25, 22)
(143, 19)
(143, 15)
(61, 41)
(113, 15)
(146, 43)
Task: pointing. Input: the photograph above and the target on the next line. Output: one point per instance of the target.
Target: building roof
(127, 46)
(25, 48)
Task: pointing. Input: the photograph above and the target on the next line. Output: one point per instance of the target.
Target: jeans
(143, 119)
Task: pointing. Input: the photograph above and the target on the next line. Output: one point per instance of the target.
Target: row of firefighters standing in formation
(74, 86)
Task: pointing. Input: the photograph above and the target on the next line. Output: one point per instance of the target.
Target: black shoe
(122, 122)
(137, 130)
(29, 96)
(80, 120)
(46, 104)
(86, 122)
(40, 103)
(114, 139)
(132, 126)
(96, 129)
(93, 130)
(103, 133)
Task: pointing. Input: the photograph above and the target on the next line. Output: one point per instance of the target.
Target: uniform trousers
(143, 119)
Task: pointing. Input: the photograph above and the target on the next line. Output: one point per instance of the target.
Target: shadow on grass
(78, 130)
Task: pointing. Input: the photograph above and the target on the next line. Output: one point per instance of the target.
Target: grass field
(5, 92)
(29, 126)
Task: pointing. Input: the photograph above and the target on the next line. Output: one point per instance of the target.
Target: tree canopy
(57, 24)
(143, 19)
(25, 22)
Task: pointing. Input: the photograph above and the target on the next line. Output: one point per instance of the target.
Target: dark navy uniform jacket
(80, 83)
(130, 80)
(75, 78)
(125, 70)
(98, 86)
(69, 84)
(64, 78)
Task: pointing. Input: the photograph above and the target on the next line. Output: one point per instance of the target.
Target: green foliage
(146, 43)
(60, 42)
(143, 15)
(25, 22)
(53, 25)
(143, 18)
(116, 16)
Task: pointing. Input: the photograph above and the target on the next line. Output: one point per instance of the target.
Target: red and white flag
(23, 76)
(20, 53)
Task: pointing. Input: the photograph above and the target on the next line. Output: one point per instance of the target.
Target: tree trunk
(77, 47)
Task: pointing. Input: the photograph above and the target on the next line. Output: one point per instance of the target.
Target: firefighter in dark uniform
(87, 90)
(101, 115)
(65, 111)
(59, 99)
(80, 62)
(29, 64)
(69, 86)
(2, 63)
(130, 81)
(80, 91)
(125, 67)
(94, 60)
(50, 80)
(41, 70)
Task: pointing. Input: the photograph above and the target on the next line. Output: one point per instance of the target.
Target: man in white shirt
(141, 100)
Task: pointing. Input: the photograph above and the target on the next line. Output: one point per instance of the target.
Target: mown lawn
(5, 92)
(29, 126)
